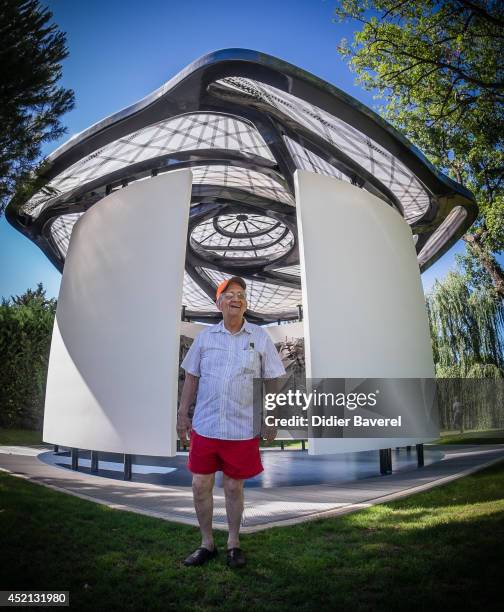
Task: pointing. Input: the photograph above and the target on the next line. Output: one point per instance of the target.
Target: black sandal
(200, 556)
(236, 558)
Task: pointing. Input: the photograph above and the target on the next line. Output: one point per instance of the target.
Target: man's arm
(271, 385)
(191, 365)
(272, 370)
(189, 390)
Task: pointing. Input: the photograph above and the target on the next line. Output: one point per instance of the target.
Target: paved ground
(264, 507)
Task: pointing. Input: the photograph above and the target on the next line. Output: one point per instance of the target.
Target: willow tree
(438, 68)
(467, 328)
(467, 331)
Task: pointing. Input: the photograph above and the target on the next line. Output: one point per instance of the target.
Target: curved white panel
(364, 310)
(112, 380)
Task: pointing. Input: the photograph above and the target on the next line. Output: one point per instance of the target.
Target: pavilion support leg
(420, 454)
(127, 467)
(75, 458)
(94, 462)
(385, 461)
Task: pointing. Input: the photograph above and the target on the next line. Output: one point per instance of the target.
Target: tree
(26, 324)
(439, 67)
(467, 333)
(31, 102)
(34, 298)
(467, 328)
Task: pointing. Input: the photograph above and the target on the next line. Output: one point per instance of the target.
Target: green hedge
(26, 324)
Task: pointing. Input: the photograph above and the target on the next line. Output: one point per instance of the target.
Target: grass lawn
(443, 548)
(16, 437)
(491, 436)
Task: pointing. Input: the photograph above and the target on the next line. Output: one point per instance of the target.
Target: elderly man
(220, 366)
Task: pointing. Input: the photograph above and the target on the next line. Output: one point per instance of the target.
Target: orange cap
(224, 285)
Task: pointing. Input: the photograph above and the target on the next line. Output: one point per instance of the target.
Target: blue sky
(122, 50)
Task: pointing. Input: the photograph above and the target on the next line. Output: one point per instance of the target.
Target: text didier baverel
(331, 421)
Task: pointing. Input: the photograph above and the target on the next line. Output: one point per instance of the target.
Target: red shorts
(238, 459)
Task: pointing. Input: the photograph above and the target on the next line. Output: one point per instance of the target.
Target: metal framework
(244, 122)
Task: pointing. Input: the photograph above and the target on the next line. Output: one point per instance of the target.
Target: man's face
(233, 306)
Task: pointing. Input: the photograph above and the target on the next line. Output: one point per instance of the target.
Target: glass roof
(243, 235)
(61, 230)
(243, 138)
(358, 146)
(188, 132)
(252, 181)
(290, 270)
(307, 160)
(194, 298)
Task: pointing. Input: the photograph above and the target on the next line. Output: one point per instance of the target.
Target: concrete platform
(292, 489)
(281, 468)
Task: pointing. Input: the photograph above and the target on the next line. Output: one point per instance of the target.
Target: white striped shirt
(226, 365)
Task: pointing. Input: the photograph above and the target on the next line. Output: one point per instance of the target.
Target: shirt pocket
(250, 362)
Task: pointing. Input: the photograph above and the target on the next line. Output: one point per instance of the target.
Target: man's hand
(184, 424)
(269, 433)
(184, 427)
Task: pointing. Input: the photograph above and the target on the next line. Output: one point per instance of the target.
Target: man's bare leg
(233, 490)
(202, 486)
